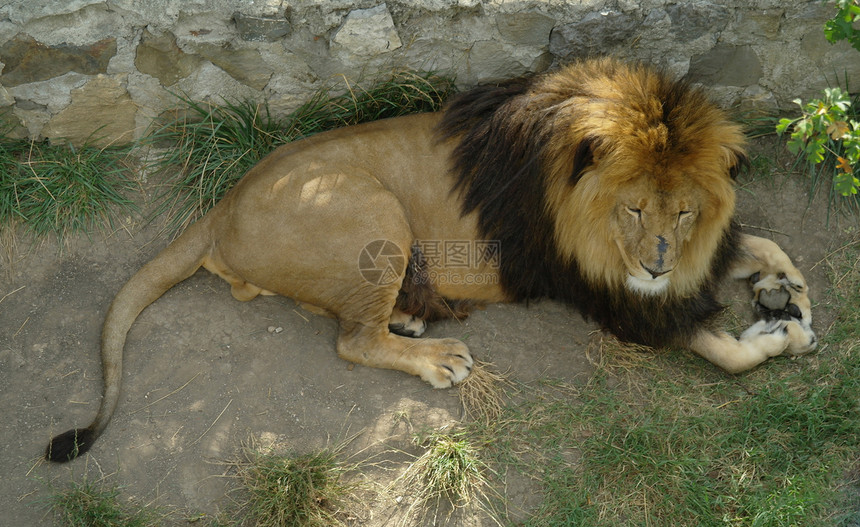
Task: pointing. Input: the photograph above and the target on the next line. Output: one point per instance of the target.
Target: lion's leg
(780, 292)
(239, 288)
(441, 362)
(762, 340)
(368, 337)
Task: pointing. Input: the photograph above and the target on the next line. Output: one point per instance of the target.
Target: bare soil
(204, 373)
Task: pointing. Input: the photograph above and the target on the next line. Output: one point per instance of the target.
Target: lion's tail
(175, 263)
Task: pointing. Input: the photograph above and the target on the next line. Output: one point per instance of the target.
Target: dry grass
(449, 476)
(613, 356)
(482, 394)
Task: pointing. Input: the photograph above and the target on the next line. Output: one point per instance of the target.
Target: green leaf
(846, 184)
(783, 125)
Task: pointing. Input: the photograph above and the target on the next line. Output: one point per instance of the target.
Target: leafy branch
(831, 125)
(841, 26)
(826, 126)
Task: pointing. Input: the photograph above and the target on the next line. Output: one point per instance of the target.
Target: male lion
(603, 185)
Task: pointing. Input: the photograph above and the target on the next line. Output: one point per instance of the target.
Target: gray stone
(529, 28)
(52, 94)
(282, 50)
(245, 65)
(6, 98)
(596, 33)
(367, 32)
(752, 25)
(211, 83)
(690, 20)
(261, 28)
(756, 101)
(498, 61)
(727, 66)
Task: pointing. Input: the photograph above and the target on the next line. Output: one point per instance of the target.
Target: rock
(52, 94)
(367, 32)
(691, 20)
(27, 60)
(598, 31)
(100, 113)
(726, 65)
(245, 64)
(529, 28)
(159, 56)
(261, 28)
(6, 98)
(493, 60)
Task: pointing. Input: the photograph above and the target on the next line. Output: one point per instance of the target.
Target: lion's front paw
(778, 336)
(801, 338)
(447, 363)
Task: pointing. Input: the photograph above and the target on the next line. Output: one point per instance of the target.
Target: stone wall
(81, 68)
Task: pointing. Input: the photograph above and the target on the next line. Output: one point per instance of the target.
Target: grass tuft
(210, 147)
(59, 189)
(90, 505)
(306, 490)
(450, 473)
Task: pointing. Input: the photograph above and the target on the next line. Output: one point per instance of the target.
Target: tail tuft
(69, 445)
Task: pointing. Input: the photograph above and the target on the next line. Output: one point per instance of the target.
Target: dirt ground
(203, 373)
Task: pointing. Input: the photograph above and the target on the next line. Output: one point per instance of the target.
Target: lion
(605, 185)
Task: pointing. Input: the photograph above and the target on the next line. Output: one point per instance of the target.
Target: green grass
(450, 473)
(210, 147)
(59, 189)
(680, 457)
(303, 490)
(90, 505)
(679, 443)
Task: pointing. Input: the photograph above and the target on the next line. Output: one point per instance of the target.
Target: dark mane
(497, 166)
(499, 169)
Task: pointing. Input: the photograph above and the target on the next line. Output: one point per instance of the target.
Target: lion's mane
(540, 160)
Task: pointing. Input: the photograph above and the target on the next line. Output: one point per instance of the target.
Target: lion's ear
(738, 162)
(583, 157)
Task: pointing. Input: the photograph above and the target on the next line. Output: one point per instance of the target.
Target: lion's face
(651, 231)
(650, 227)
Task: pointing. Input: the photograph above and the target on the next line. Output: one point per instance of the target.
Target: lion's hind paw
(407, 326)
(776, 297)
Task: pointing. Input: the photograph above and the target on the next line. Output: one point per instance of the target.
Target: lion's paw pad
(774, 299)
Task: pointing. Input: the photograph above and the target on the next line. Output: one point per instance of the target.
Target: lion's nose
(653, 273)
